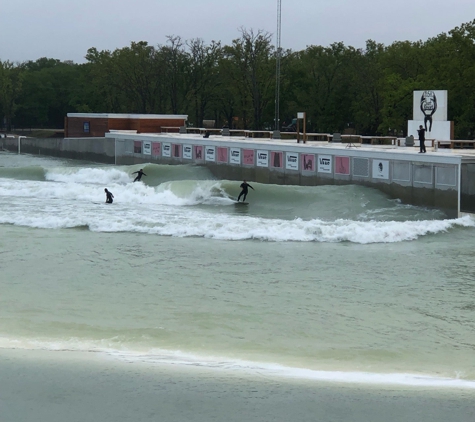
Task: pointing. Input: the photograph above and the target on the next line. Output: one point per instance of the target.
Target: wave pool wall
(99, 150)
(431, 180)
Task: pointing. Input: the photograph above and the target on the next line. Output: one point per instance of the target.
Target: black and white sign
(235, 156)
(324, 163)
(147, 148)
(430, 106)
(380, 169)
(188, 152)
(262, 158)
(210, 153)
(292, 160)
(166, 149)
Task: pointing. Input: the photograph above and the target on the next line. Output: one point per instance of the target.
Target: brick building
(94, 125)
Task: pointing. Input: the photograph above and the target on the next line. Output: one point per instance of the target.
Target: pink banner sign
(156, 148)
(222, 155)
(176, 150)
(308, 162)
(276, 159)
(248, 157)
(137, 147)
(342, 165)
(198, 152)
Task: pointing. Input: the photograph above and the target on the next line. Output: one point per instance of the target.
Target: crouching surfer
(109, 197)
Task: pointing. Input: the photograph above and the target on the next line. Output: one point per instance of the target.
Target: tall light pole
(276, 133)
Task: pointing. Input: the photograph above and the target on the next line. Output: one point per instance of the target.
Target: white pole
(276, 134)
(19, 139)
(459, 188)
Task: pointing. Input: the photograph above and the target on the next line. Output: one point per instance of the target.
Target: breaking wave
(73, 197)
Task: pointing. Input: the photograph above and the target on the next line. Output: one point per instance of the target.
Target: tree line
(369, 90)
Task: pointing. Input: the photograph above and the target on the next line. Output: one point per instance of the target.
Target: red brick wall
(74, 126)
(154, 125)
(119, 124)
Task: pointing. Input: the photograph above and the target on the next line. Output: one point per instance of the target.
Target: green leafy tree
(135, 70)
(403, 72)
(203, 73)
(175, 62)
(11, 78)
(338, 86)
(367, 97)
(320, 86)
(48, 86)
(104, 82)
(252, 73)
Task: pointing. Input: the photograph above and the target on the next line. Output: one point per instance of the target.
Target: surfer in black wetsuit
(139, 173)
(244, 186)
(109, 196)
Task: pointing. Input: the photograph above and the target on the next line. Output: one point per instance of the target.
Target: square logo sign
(187, 152)
(380, 169)
(210, 153)
(235, 156)
(325, 163)
(166, 150)
(292, 160)
(262, 158)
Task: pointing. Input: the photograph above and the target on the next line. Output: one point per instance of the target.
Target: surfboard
(242, 203)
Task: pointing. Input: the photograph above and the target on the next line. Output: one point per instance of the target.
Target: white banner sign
(235, 156)
(166, 150)
(380, 169)
(187, 152)
(262, 158)
(292, 160)
(441, 131)
(210, 153)
(147, 148)
(324, 163)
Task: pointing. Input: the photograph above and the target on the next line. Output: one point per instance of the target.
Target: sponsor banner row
(311, 163)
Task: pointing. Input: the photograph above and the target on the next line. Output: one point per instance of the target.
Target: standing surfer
(139, 173)
(244, 186)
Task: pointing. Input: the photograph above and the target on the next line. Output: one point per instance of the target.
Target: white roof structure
(129, 116)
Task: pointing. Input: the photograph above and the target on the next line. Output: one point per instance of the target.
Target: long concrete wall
(431, 180)
(467, 188)
(100, 150)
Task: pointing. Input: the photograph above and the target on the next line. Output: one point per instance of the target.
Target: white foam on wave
(169, 193)
(224, 227)
(196, 223)
(231, 228)
(114, 348)
(168, 210)
(227, 227)
(95, 175)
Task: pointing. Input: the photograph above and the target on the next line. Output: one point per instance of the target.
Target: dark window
(85, 127)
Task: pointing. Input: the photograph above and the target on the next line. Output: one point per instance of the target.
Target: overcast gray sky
(65, 29)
